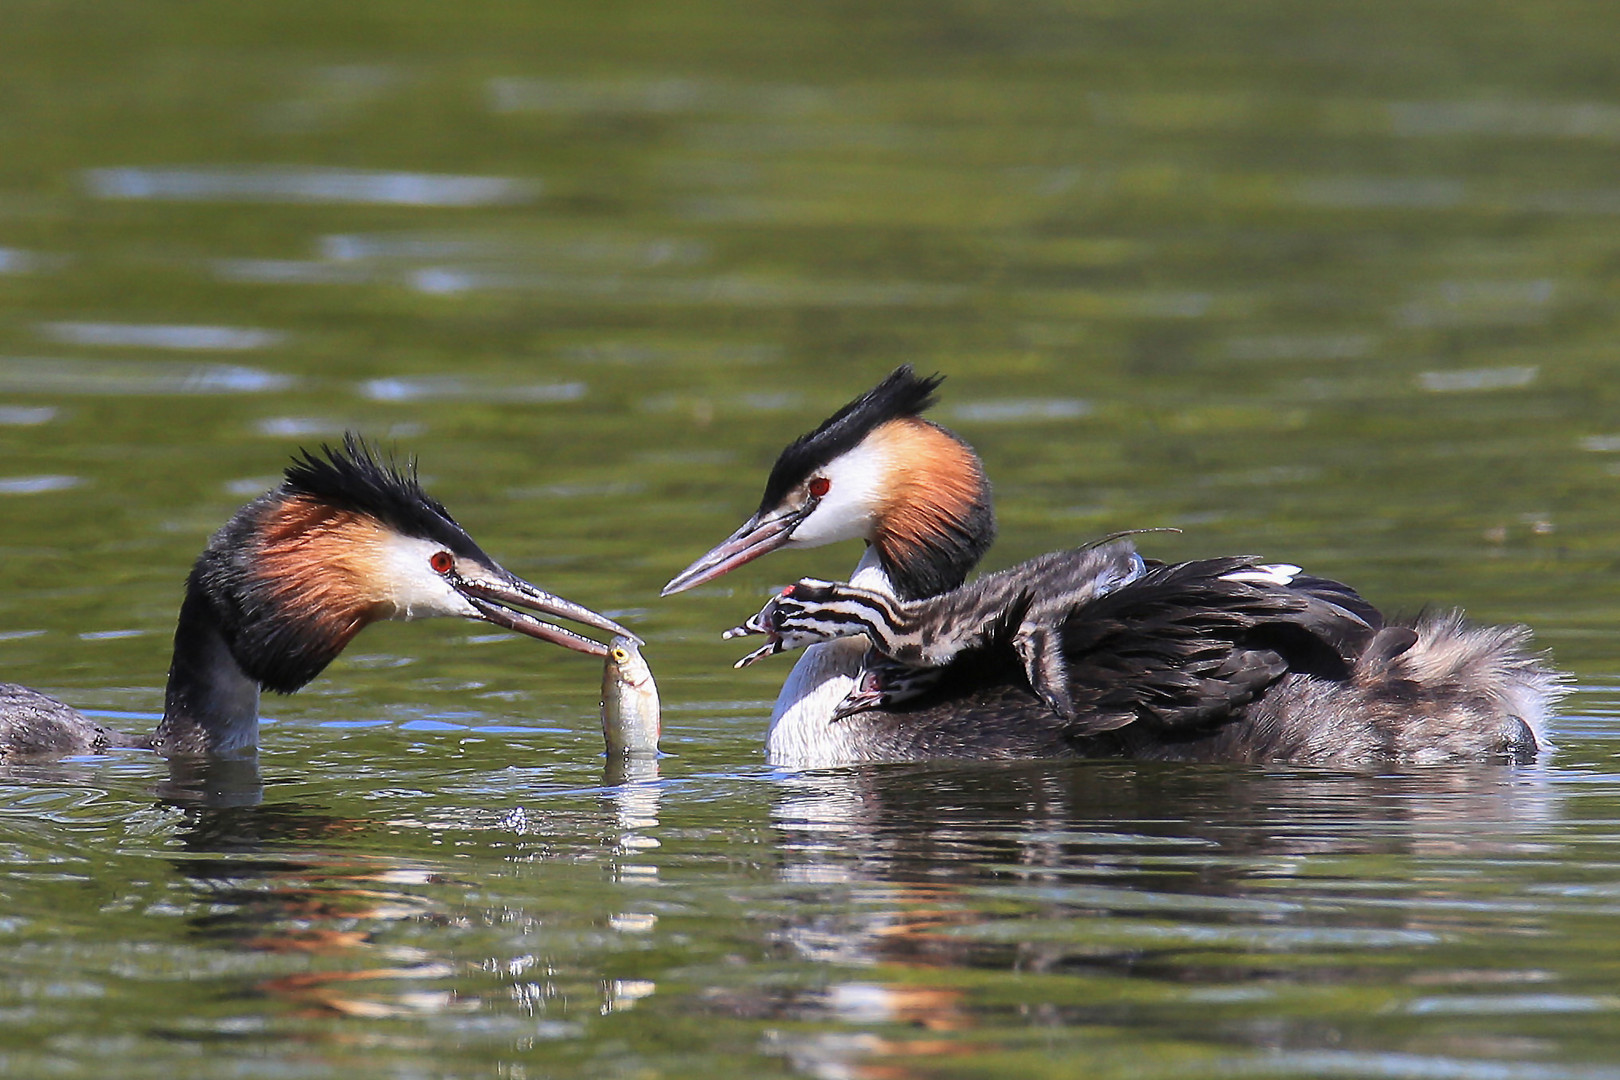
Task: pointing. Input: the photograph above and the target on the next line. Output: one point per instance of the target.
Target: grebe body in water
(1215, 660)
(344, 541)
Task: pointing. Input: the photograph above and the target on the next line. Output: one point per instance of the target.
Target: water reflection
(634, 798)
(26, 415)
(661, 96)
(202, 785)
(1122, 876)
(35, 485)
(460, 388)
(585, 250)
(160, 336)
(1462, 381)
(18, 261)
(290, 184)
(279, 892)
(52, 375)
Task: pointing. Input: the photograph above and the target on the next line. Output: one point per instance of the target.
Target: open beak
(855, 703)
(496, 595)
(759, 534)
(865, 696)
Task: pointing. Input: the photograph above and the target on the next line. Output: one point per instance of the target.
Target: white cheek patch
(849, 509)
(411, 585)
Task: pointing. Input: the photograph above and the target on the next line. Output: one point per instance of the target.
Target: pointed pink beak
(757, 536)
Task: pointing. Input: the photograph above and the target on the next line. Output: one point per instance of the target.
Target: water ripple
(1018, 410)
(736, 290)
(1412, 1067)
(456, 388)
(160, 336)
(306, 185)
(1534, 119)
(35, 485)
(1467, 379)
(290, 272)
(649, 96)
(34, 375)
(18, 261)
(26, 415)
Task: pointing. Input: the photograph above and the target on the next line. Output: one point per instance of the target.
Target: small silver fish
(631, 719)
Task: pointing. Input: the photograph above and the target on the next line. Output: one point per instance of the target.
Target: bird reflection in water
(1139, 882)
(289, 887)
(279, 893)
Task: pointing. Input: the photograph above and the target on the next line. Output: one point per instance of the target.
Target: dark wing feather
(1183, 647)
(1004, 624)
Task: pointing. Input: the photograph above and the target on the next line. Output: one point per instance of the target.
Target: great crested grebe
(344, 541)
(1216, 660)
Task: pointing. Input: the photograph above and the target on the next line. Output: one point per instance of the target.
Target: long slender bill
(756, 537)
(495, 601)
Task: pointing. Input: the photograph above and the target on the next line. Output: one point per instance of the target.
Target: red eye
(819, 486)
(442, 562)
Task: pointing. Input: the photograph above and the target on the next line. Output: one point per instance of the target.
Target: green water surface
(1328, 282)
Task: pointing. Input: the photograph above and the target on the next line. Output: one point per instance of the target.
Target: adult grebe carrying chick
(1226, 659)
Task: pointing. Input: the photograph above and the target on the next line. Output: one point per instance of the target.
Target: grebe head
(347, 540)
(874, 471)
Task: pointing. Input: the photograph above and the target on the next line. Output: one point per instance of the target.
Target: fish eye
(819, 486)
(619, 655)
(442, 562)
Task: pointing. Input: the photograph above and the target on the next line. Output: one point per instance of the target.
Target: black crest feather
(355, 476)
(903, 393)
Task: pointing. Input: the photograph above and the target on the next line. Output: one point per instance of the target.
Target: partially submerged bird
(344, 541)
(1215, 660)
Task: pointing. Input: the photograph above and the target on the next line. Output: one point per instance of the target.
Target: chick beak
(762, 533)
(496, 594)
(856, 702)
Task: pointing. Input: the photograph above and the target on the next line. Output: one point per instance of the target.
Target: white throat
(803, 734)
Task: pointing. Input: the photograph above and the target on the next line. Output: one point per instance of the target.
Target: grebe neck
(801, 734)
(211, 706)
(870, 572)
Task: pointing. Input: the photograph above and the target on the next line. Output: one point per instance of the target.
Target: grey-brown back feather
(1452, 692)
(33, 725)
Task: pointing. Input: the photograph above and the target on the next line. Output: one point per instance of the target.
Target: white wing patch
(1272, 574)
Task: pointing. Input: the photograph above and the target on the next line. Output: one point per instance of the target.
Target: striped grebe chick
(1223, 629)
(1023, 606)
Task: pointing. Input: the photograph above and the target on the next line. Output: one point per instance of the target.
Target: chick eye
(442, 562)
(819, 486)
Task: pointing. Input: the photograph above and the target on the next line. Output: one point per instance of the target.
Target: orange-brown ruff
(934, 479)
(322, 567)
